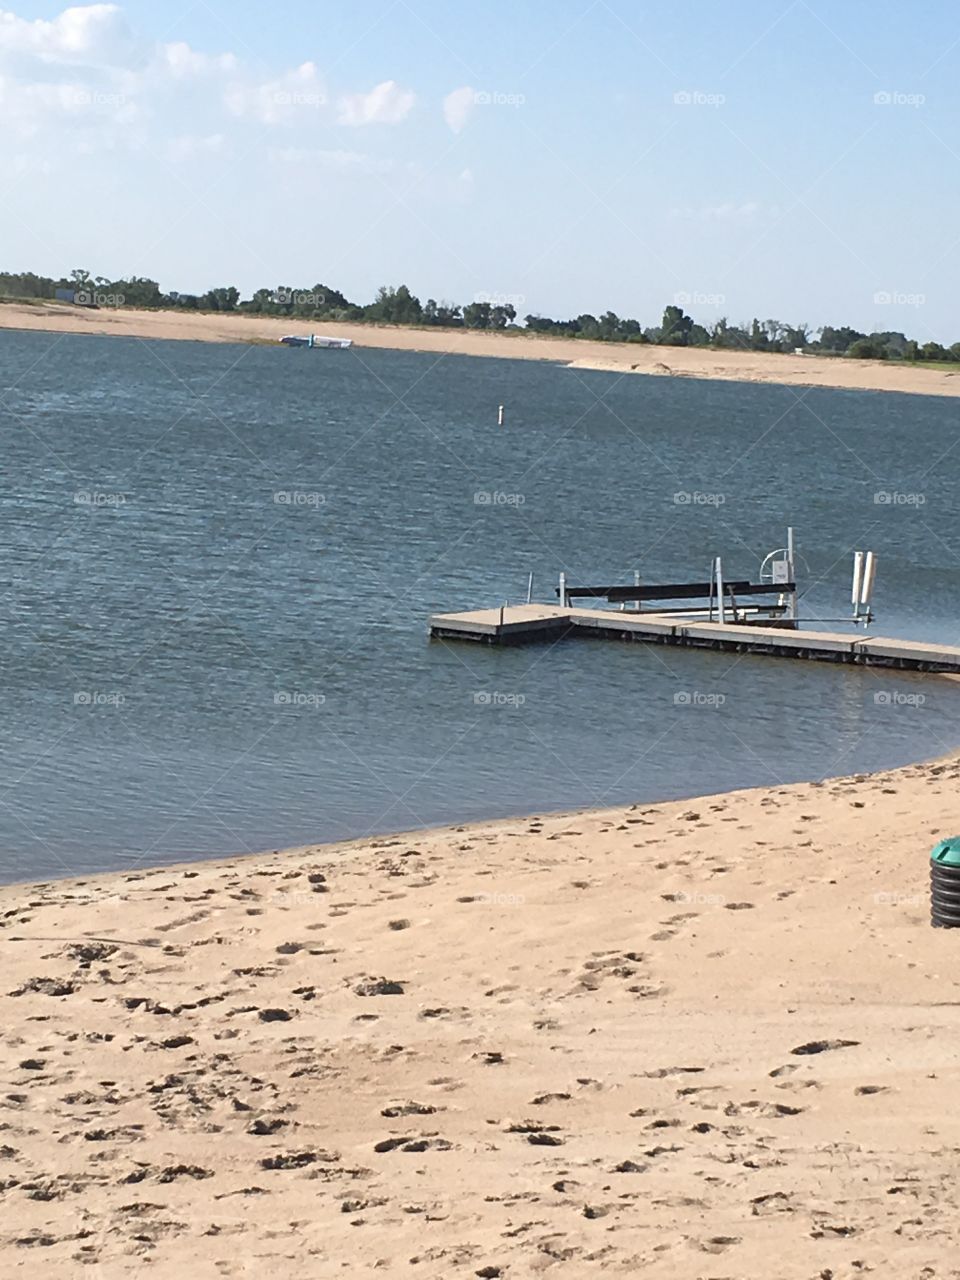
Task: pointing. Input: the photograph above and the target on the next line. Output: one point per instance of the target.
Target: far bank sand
(696, 1040)
(728, 366)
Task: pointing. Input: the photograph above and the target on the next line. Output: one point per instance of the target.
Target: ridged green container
(945, 884)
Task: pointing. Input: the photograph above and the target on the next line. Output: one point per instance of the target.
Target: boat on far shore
(317, 340)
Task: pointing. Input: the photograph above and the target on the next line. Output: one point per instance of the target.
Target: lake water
(218, 563)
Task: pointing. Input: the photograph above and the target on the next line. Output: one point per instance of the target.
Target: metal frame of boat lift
(720, 594)
(777, 577)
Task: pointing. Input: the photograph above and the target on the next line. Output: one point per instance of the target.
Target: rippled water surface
(218, 563)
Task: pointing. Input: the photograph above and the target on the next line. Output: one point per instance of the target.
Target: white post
(793, 611)
(530, 588)
(869, 575)
(563, 590)
(721, 606)
(636, 582)
(500, 416)
(857, 582)
(713, 587)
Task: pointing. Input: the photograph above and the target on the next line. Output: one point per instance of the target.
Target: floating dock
(539, 623)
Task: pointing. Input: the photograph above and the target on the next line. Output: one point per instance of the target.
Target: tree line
(398, 305)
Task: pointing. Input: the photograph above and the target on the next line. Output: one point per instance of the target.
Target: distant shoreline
(657, 361)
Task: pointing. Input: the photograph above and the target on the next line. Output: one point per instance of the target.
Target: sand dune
(715, 1038)
(694, 362)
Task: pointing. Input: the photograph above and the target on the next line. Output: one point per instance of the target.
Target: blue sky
(790, 160)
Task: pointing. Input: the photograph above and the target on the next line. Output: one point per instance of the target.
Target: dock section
(536, 623)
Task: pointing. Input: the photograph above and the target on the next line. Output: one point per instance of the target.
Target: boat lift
(723, 599)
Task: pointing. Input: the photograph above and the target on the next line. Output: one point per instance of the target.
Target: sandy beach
(677, 362)
(705, 1039)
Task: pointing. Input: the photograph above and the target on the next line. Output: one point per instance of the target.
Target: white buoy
(500, 416)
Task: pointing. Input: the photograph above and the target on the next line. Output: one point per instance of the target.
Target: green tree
(395, 306)
(675, 327)
(220, 299)
(839, 340)
(933, 351)
(477, 315)
(867, 349)
(794, 336)
(729, 336)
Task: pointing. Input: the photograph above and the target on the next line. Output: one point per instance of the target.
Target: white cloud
(84, 80)
(182, 61)
(90, 35)
(457, 107)
(279, 101)
(385, 104)
(28, 108)
(334, 161)
(733, 212)
(86, 66)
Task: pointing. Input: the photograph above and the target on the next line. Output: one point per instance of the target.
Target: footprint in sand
(823, 1046)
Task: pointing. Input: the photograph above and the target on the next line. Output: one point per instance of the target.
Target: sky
(786, 159)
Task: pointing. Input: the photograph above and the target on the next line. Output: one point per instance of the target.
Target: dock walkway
(536, 623)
